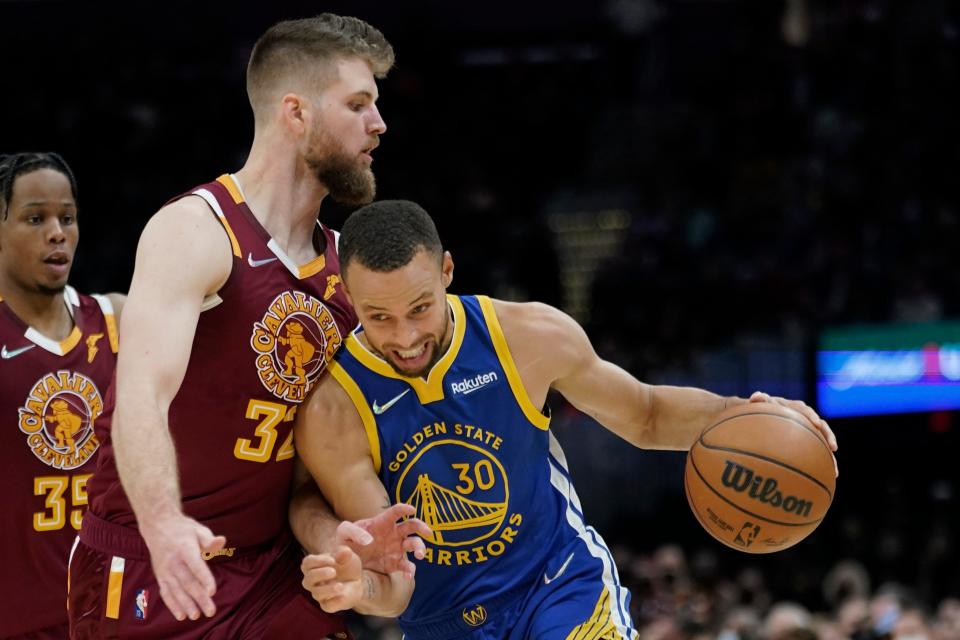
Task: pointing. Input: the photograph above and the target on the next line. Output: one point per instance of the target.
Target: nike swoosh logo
(258, 263)
(559, 572)
(378, 409)
(13, 354)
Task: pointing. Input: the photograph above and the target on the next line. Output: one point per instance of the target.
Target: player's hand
(807, 412)
(176, 544)
(382, 543)
(334, 580)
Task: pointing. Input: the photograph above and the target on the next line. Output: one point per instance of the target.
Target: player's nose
(375, 122)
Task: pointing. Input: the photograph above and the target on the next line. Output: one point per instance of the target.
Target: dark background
(704, 184)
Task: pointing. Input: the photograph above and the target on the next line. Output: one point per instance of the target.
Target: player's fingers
(398, 511)
(836, 468)
(350, 532)
(318, 577)
(197, 580)
(759, 396)
(414, 526)
(316, 561)
(176, 599)
(415, 546)
(209, 542)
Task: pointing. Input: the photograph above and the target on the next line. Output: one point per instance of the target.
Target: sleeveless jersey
(261, 341)
(52, 398)
(468, 449)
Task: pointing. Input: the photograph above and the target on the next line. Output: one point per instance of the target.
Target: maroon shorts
(114, 594)
(61, 632)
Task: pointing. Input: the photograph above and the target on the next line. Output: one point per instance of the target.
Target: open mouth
(58, 258)
(411, 359)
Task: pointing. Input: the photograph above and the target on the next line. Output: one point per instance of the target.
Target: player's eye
(34, 219)
(420, 308)
(67, 219)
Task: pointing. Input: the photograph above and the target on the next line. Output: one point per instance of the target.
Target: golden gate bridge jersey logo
(58, 418)
(459, 489)
(293, 341)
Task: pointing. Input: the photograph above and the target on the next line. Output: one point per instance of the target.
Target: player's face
(39, 235)
(404, 312)
(345, 133)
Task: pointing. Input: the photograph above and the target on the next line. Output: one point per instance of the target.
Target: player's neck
(45, 312)
(284, 198)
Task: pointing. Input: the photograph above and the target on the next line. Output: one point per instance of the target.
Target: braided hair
(17, 164)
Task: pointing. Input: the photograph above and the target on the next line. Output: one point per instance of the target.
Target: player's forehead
(41, 186)
(416, 282)
(350, 75)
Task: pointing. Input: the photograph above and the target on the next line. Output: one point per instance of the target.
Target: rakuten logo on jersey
(469, 385)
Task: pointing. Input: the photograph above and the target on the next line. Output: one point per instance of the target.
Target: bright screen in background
(872, 369)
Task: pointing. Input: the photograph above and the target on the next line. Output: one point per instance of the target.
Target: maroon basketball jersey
(52, 397)
(262, 340)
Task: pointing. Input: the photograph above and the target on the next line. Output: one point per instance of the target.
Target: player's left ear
(447, 269)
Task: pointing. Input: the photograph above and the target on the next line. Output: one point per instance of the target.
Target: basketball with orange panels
(760, 479)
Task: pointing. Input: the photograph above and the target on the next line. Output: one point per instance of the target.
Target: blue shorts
(578, 596)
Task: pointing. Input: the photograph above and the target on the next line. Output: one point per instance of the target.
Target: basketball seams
(772, 461)
(693, 464)
(800, 424)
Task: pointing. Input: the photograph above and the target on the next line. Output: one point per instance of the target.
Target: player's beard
(345, 177)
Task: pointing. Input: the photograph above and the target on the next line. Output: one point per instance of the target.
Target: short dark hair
(17, 164)
(386, 235)
(298, 47)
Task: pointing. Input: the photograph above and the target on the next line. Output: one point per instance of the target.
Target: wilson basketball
(761, 479)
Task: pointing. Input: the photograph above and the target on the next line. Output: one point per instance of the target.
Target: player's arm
(648, 416)
(332, 444)
(183, 254)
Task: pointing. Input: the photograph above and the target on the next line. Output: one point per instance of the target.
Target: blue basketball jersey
(469, 450)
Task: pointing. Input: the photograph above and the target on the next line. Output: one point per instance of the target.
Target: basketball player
(235, 308)
(58, 355)
(436, 401)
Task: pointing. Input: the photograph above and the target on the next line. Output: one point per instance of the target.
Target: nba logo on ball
(760, 479)
(141, 603)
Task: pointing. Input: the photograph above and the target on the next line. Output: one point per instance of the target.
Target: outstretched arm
(343, 573)
(182, 255)
(648, 416)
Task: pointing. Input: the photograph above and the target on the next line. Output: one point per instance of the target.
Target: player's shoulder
(535, 318)
(329, 402)
(185, 235)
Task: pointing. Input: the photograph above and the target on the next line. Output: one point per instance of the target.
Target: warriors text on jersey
(261, 342)
(52, 398)
(470, 451)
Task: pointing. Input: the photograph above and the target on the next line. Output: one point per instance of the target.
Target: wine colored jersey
(52, 397)
(261, 341)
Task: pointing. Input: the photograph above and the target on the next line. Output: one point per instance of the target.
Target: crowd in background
(784, 165)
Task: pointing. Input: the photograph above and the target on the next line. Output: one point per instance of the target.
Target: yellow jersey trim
(70, 341)
(111, 321)
(228, 181)
(360, 402)
(431, 389)
(114, 588)
(212, 201)
(534, 415)
(312, 268)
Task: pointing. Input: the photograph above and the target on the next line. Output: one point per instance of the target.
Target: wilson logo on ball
(743, 479)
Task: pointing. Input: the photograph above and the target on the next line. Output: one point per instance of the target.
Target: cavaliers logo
(58, 419)
(293, 341)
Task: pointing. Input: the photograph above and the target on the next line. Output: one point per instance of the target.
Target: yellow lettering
(458, 429)
(440, 427)
(428, 555)
(418, 437)
(516, 519)
(480, 555)
(443, 557)
(468, 428)
(496, 443)
(508, 535)
(495, 548)
(463, 557)
(394, 466)
(263, 341)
